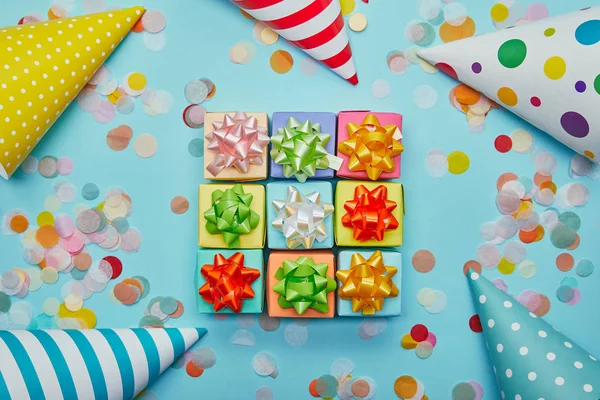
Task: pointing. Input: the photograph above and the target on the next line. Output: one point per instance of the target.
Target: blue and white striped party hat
(101, 364)
(531, 359)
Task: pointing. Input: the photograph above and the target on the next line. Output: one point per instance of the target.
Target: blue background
(443, 215)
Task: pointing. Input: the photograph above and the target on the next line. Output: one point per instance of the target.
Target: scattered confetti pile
(421, 340)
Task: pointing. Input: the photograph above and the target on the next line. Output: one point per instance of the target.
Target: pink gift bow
(239, 142)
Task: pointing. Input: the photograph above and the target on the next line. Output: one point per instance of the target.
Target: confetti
(281, 61)
(527, 269)
(264, 393)
(264, 364)
(295, 335)
(357, 22)
(458, 162)
(436, 163)
(397, 62)
(584, 268)
(154, 21)
(180, 205)
(423, 261)
(243, 337)
(269, 324)
(118, 138)
(425, 96)
(434, 301)
(381, 89)
(145, 145)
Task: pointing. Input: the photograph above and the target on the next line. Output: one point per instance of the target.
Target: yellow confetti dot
(85, 315)
(458, 162)
(589, 154)
(45, 218)
(137, 81)
(408, 342)
(499, 12)
(100, 206)
(357, 22)
(347, 6)
(269, 36)
(508, 96)
(555, 67)
(505, 267)
(114, 97)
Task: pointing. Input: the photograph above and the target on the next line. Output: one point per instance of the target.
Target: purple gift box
(328, 123)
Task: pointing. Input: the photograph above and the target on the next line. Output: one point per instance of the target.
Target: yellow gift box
(345, 191)
(255, 239)
(255, 172)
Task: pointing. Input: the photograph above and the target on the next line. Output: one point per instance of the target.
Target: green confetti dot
(570, 219)
(90, 191)
(428, 34)
(120, 224)
(168, 305)
(584, 268)
(327, 386)
(562, 236)
(569, 281)
(77, 274)
(565, 293)
(597, 84)
(5, 302)
(512, 53)
(146, 285)
(150, 320)
(196, 147)
(463, 391)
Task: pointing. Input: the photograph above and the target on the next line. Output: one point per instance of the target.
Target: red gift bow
(370, 213)
(228, 282)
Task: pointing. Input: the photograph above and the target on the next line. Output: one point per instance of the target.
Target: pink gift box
(385, 118)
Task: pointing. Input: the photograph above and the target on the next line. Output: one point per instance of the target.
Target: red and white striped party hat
(315, 26)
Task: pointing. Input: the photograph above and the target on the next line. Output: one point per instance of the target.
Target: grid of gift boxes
(299, 216)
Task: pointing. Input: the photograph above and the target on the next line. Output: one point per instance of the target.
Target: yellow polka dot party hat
(544, 71)
(42, 69)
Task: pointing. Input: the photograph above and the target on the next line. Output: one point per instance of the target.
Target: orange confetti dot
(450, 33)
(42, 265)
(19, 223)
(466, 95)
(192, 370)
(138, 27)
(508, 96)
(423, 261)
(540, 233)
(408, 343)
(281, 61)
(472, 264)
(548, 185)
(544, 306)
(589, 154)
(505, 177)
(575, 243)
(47, 236)
(528, 237)
(405, 387)
(312, 388)
(565, 262)
(538, 179)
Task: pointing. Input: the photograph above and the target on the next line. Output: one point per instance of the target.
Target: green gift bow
(299, 148)
(230, 215)
(303, 285)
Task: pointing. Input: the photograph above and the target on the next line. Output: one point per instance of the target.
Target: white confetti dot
(381, 89)
(551, 356)
(532, 376)
(523, 351)
(515, 326)
(559, 381)
(425, 96)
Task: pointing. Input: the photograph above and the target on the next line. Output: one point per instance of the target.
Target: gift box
(370, 143)
(301, 284)
(231, 216)
(303, 145)
(369, 283)
(236, 146)
(229, 281)
(300, 216)
(369, 214)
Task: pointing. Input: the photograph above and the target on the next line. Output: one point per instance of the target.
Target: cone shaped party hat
(532, 360)
(544, 71)
(315, 26)
(87, 364)
(42, 69)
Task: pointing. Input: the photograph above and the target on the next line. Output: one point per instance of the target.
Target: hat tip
(201, 332)
(353, 79)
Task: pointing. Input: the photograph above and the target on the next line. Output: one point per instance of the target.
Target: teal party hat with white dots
(531, 359)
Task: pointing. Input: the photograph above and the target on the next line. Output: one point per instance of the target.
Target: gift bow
(303, 285)
(239, 142)
(369, 214)
(301, 218)
(371, 147)
(299, 148)
(230, 215)
(367, 283)
(228, 282)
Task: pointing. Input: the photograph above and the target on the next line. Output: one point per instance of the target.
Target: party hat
(543, 71)
(315, 26)
(42, 69)
(531, 359)
(82, 364)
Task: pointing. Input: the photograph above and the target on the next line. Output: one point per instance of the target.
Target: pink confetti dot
(64, 166)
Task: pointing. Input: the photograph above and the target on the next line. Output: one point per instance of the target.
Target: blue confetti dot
(584, 268)
(588, 33)
(196, 147)
(90, 191)
(565, 293)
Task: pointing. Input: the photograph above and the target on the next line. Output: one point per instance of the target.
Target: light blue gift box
(392, 306)
(279, 191)
(252, 259)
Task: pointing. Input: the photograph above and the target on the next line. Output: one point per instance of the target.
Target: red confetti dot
(475, 324)
(312, 388)
(116, 264)
(503, 143)
(535, 101)
(419, 333)
(447, 69)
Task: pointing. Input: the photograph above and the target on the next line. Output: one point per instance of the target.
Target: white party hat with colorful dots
(545, 71)
(91, 363)
(531, 359)
(42, 69)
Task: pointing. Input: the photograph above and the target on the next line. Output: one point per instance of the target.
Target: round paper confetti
(527, 269)
(264, 364)
(565, 262)
(405, 387)
(458, 162)
(584, 268)
(118, 138)
(522, 141)
(295, 335)
(357, 22)
(436, 163)
(179, 205)
(423, 261)
(381, 89)
(145, 145)
(196, 147)
(267, 323)
(425, 96)
(264, 393)
(281, 61)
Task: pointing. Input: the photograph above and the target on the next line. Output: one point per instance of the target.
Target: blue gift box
(279, 191)
(252, 259)
(392, 306)
(328, 123)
